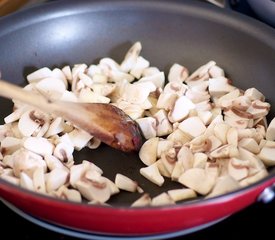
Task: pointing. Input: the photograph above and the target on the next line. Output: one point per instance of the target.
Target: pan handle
(267, 195)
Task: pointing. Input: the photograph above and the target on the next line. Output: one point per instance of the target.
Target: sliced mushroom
(148, 151)
(39, 180)
(225, 151)
(177, 171)
(177, 73)
(79, 138)
(169, 159)
(181, 194)
(186, 156)
(201, 71)
(166, 100)
(220, 131)
(250, 144)
(219, 86)
(39, 74)
(143, 201)
(26, 181)
(163, 146)
(68, 194)
(254, 94)
(237, 172)
(56, 178)
(152, 174)
(140, 65)
(125, 183)
(200, 160)
(267, 155)
(131, 57)
(162, 169)
(258, 176)
(10, 144)
(162, 199)
(164, 127)
(148, 126)
(38, 145)
(192, 126)
(179, 137)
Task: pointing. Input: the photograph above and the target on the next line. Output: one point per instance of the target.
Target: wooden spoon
(104, 121)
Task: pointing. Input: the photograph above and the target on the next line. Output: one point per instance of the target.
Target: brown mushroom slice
(148, 151)
(56, 178)
(177, 73)
(94, 143)
(258, 109)
(39, 74)
(64, 152)
(26, 181)
(148, 126)
(181, 194)
(224, 185)
(10, 144)
(198, 180)
(125, 183)
(162, 199)
(175, 87)
(39, 145)
(39, 180)
(192, 126)
(143, 201)
(152, 174)
(16, 114)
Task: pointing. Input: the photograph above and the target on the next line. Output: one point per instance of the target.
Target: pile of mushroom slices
(201, 131)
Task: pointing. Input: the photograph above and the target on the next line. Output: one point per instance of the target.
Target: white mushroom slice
(26, 181)
(148, 127)
(148, 151)
(51, 87)
(125, 183)
(28, 123)
(177, 171)
(226, 100)
(169, 159)
(175, 87)
(192, 126)
(131, 57)
(216, 71)
(255, 178)
(56, 127)
(68, 73)
(205, 116)
(225, 151)
(64, 152)
(79, 138)
(258, 109)
(219, 86)
(162, 169)
(238, 173)
(56, 178)
(76, 70)
(181, 194)
(200, 160)
(10, 179)
(98, 191)
(88, 96)
(224, 185)
(143, 201)
(109, 63)
(86, 80)
(150, 71)
(198, 180)
(113, 188)
(232, 136)
(39, 180)
(267, 155)
(58, 73)
(53, 162)
(166, 100)
(177, 73)
(179, 137)
(210, 129)
(5, 131)
(69, 97)
(94, 143)
(117, 76)
(39, 74)
(186, 156)
(103, 89)
(152, 174)
(26, 161)
(15, 115)
(10, 144)
(135, 111)
(201, 71)
(250, 144)
(239, 123)
(77, 172)
(164, 127)
(162, 199)
(254, 94)
(139, 67)
(181, 109)
(67, 194)
(163, 146)
(38, 145)
(220, 131)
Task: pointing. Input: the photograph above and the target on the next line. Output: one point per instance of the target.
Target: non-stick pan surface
(186, 32)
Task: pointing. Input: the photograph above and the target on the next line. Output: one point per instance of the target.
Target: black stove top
(251, 222)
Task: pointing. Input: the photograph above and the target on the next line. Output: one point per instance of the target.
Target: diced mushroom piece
(162, 199)
(125, 183)
(225, 151)
(219, 86)
(27, 161)
(135, 111)
(16, 114)
(26, 181)
(5, 131)
(10, 179)
(162, 169)
(56, 127)
(169, 159)
(38, 145)
(10, 144)
(226, 100)
(138, 68)
(67, 194)
(238, 173)
(109, 63)
(258, 109)
(29, 123)
(179, 137)
(68, 73)
(79, 138)
(59, 74)
(64, 151)
(258, 176)
(175, 87)
(181, 109)
(192, 126)
(164, 127)
(232, 136)
(267, 155)
(131, 57)
(39, 180)
(250, 144)
(152, 174)
(148, 127)
(220, 131)
(205, 116)
(150, 71)
(148, 151)
(198, 180)
(186, 156)
(39, 74)
(95, 190)
(177, 171)
(216, 71)
(143, 201)
(200, 160)
(210, 129)
(113, 187)
(88, 96)
(86, 79)
(254, 94)
(56, 178)
(177, 73)
(163, 146)
(94, 143)
(166, 100)
(181, 194)
(51, 87)
(53, 162)
(224, 185)
(201, 71)
(103, 89)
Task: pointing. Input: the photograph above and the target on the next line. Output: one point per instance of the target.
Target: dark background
(252, 222)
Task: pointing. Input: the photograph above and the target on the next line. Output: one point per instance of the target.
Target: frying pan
(187, 32)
